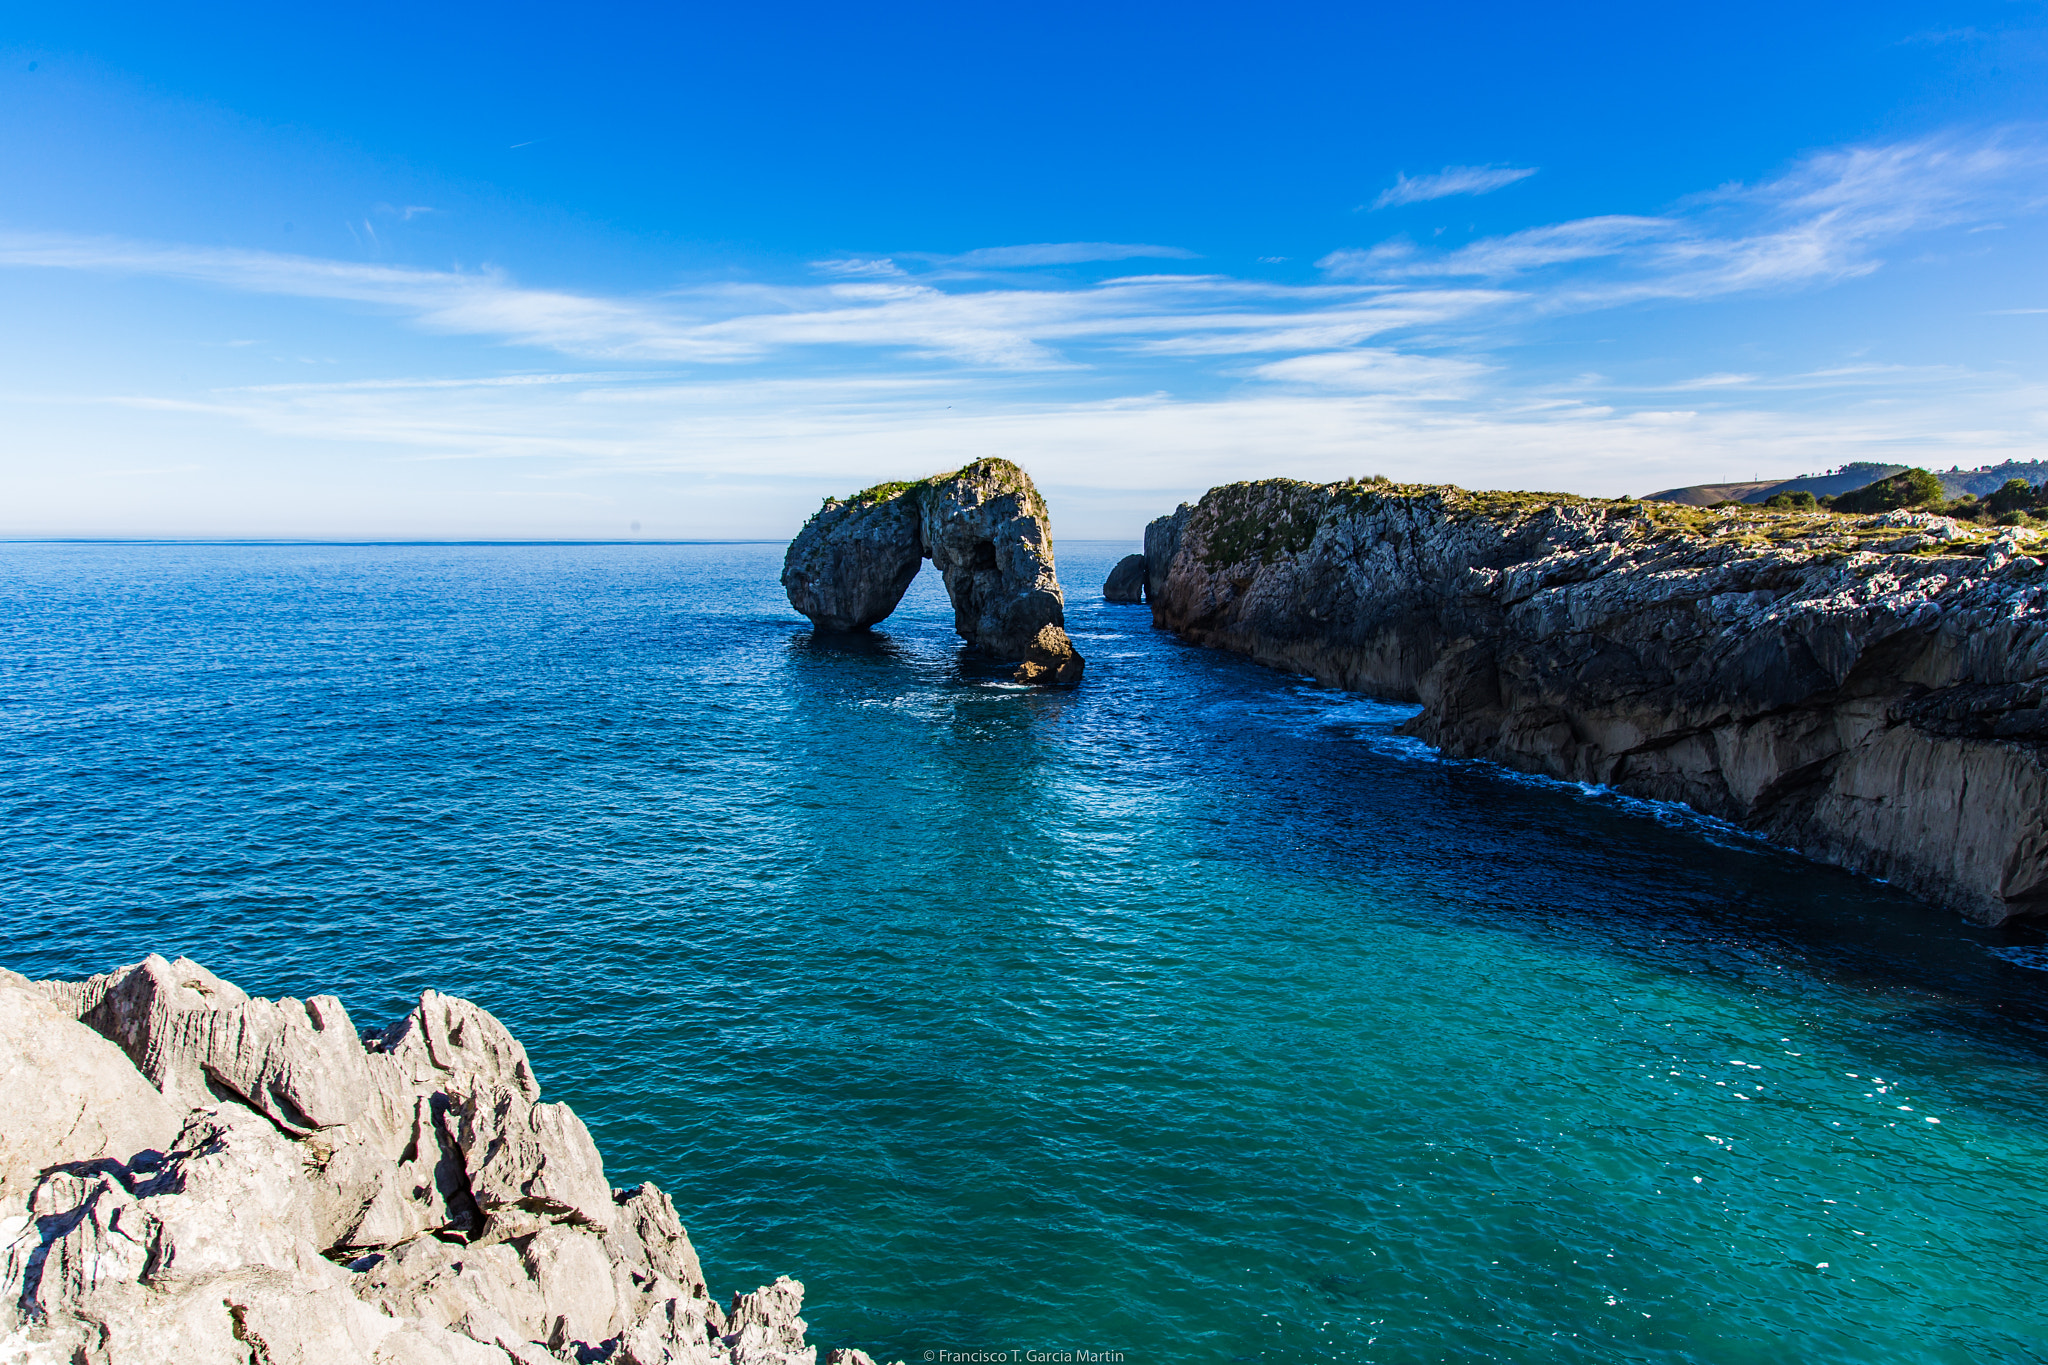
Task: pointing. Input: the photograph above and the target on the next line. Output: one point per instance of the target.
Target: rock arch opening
(983, 527)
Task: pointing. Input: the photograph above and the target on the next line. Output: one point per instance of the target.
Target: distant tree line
(2018, 503)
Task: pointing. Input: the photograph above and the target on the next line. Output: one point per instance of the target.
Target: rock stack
(986, 529)
(190, 1175)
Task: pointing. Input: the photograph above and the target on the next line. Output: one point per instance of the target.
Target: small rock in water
(1051, 661)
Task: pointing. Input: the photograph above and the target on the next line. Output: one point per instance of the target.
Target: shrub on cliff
(1801, 501)
(1907, 488)
(2017, 495)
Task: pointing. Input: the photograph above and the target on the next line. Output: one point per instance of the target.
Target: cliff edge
(190, 1175)
(1869, 691)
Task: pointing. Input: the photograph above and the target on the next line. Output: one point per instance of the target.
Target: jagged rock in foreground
(188, 1175)
(1869, 691)
(986, 529)
(1126, 582)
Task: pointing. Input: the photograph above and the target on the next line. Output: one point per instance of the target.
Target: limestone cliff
(1867, 690)
(987, 531)
(189, 1175)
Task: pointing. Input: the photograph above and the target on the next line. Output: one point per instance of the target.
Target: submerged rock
(1870, 691)
(190, 1175)
(985, 528)
(1126, 582)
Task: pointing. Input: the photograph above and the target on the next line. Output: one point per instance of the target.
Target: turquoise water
(1192, 1014)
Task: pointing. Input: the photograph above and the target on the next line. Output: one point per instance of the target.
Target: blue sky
(512, 271)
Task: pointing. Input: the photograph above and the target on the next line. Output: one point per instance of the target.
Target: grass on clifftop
(1262, 520)
(1268, 519)
(993, 477)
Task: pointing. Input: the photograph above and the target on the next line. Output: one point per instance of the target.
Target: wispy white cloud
(1397, 357)
(1500, 257)
(479, 303)
(1376, 370)
(999, 327)
(1822, 221)
(1717, 381)
(1449, 181)
(859, 267)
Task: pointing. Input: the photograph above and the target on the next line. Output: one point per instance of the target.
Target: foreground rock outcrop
(1867, 690)
(190, 1175)
(987, 531)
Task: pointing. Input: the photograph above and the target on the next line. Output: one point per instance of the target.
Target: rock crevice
(986, 530)
(188, 1174)
(1866, 690)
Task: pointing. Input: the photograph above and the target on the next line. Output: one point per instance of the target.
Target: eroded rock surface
(1126, 582)
(67, 1090)
(986, 530)
(1867, 690)
(190, 1175)
(853, 561)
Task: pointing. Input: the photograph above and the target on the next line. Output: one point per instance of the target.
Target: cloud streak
(1449, 181)
(1824, 220)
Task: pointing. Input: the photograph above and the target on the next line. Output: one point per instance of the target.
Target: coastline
(1866, 691)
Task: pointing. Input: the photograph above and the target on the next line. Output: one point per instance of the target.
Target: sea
(1191, 1015)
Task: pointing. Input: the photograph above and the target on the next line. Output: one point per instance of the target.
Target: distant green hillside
(1954, 482)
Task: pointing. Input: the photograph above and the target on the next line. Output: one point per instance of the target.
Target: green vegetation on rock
(1914, 488)
(993, 477)
(1257, 523)
(1262, 521)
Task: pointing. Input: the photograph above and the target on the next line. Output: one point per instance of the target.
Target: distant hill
(1707, 494)
(1955, 482)
(1992, 477)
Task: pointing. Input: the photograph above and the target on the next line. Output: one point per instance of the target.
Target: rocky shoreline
(190, 1175)
(1872, 692)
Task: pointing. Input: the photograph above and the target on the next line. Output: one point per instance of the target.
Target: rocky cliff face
(853, 561)
(984, 527)
(189, 1175)
(1867, 690)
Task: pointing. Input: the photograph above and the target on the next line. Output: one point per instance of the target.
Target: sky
(509, 271)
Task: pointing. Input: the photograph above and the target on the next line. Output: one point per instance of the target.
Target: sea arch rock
(984, 526)
(1126, 582)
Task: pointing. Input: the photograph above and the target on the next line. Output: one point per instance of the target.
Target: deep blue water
(1191, 1014)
